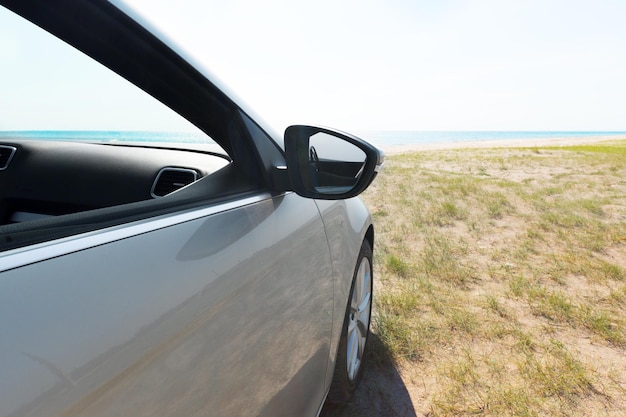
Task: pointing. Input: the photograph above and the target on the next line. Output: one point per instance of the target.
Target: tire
(355, 331)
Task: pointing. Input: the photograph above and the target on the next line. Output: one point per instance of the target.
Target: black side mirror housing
(328, 164)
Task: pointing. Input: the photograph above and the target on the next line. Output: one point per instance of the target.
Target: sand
(514, 143)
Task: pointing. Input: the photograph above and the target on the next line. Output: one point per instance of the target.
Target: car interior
(42, 179)
(52, 189)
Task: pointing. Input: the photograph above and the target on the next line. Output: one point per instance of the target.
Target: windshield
(49, 90)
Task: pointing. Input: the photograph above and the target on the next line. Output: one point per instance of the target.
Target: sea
(379, 138)
(107, 136)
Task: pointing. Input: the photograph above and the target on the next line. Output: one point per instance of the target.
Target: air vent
(171, 179)
(6, 154)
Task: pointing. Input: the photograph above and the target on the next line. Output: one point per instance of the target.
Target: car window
(62, 112)
(49, 89)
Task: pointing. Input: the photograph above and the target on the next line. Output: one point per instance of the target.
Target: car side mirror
(327, 164)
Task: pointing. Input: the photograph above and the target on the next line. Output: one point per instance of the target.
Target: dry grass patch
(502, 279)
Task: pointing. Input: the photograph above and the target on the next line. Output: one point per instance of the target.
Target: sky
(413, 64)
(362, 65)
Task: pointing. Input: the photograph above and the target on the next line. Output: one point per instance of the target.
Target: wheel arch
(369, 236)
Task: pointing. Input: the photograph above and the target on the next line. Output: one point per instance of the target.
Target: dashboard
(41, 179)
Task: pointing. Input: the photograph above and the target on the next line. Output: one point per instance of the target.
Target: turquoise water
(107, 136)
(381, 138)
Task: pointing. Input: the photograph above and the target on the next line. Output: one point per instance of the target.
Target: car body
(165, 278)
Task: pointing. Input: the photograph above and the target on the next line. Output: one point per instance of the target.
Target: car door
(224, 310)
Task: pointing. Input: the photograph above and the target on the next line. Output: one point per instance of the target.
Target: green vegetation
(617, 148)
(502, 278)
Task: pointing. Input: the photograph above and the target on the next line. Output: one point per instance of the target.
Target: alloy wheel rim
(359, 318)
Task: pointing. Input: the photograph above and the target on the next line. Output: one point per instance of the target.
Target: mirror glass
(336, 165)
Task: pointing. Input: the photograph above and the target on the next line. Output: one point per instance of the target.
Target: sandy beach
(564, 141)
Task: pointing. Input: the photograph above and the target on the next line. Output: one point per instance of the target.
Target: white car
(215, 271)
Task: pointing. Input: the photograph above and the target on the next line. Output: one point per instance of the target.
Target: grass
(617, 148)
(502, 278)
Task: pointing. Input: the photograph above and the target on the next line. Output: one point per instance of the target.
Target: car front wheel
(349, 365)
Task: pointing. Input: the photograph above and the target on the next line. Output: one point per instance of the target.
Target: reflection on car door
(220, 311)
